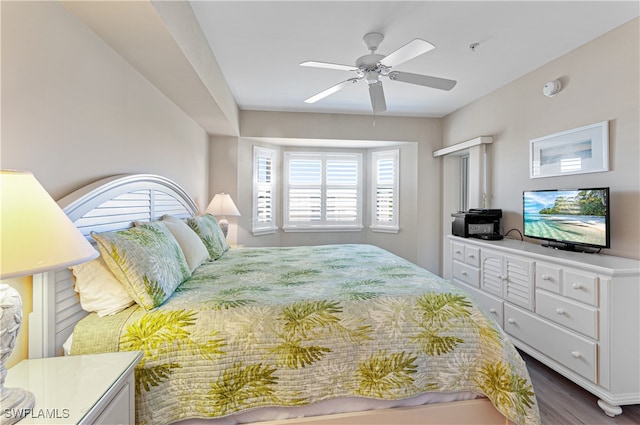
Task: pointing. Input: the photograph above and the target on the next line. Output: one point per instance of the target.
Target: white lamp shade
(222, 205)
(36, 235)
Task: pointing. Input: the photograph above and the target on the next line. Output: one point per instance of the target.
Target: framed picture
(577, 151)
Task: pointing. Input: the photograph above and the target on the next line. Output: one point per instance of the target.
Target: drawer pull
(471, 256)
(576, 286)
(492, 310)
(511, 321)
(546, 277)
(463, 273)
(576, 354)
(458, 252)
(560, 310)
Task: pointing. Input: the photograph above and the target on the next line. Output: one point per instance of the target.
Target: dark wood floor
(562, 402)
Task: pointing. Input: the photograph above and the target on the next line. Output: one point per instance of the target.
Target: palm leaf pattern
(152, 376)
(310, 323)
(238, 386)
(507, 389)
(159, 332)
(382, 373)
(291, 353)
(304, 317)
(437, 314)
(440, 309)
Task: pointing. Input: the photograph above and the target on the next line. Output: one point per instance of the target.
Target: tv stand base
(570, 247)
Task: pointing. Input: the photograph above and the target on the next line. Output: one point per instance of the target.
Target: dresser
(577, 313)
(89, 389)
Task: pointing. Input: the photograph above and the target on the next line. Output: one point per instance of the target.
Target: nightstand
(89, 389)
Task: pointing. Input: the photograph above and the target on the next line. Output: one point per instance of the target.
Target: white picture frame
(577, 151)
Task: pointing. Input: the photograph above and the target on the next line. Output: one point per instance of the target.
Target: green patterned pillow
(207, 227)
(146, 259)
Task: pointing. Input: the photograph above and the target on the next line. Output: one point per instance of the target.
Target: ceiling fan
(373, 66)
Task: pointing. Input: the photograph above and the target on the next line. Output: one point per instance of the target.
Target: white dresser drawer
(466, 254)
(472, 256)
(580, 286)
(466, 273)
(458, 251)
(492, 305)
(571, 314)
(571, 350)
(548, 277)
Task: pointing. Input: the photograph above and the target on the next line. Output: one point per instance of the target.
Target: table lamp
(35, 236)
(222, 205)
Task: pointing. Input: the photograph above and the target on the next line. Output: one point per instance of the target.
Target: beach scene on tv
(575, 216)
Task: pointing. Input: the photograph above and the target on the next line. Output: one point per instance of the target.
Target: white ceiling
(259, 44)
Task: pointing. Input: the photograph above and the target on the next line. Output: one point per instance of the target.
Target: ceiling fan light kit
(372, 66)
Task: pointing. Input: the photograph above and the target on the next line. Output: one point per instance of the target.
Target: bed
(335, 333)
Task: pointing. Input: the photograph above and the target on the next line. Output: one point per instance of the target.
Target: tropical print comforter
(291, 326)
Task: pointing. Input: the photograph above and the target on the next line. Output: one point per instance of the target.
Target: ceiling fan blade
(327, 65)
(423, 80)
(331, 90)
(377, 97)
(414, 48)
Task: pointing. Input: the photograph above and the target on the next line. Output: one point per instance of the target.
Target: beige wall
(73, 111)
(601, 82)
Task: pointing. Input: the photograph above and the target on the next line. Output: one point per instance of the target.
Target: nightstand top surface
(67, 388)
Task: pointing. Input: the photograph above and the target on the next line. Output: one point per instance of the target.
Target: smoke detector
(552, 88)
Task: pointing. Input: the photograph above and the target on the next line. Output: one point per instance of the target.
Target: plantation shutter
(342, 190)
(323, 191)
(385, 191)
(264, 206)
(305, 190)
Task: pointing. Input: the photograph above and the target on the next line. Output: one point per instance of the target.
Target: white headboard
(112, 203)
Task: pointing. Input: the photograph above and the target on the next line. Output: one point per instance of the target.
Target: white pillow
(99, 289)
(192, 247)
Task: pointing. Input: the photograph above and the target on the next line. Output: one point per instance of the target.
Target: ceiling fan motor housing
(369, 62)
(372, 40)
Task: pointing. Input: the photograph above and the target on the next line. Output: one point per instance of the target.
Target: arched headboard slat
(109, 204)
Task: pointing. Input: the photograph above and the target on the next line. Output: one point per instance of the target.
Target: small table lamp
(222, 205)
(35, 236)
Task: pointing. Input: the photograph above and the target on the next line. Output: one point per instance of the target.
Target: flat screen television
(571, 219)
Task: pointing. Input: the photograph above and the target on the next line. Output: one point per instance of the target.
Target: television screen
(571, 217)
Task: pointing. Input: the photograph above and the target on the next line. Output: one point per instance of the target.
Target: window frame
(323, 224)
(377, 225)
(259, 227)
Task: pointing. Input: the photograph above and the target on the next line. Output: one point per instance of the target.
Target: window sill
(323, 229)
(385, 229)
(260, 232)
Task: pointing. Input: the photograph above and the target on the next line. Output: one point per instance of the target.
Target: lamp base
(16, 404)
(224, 226)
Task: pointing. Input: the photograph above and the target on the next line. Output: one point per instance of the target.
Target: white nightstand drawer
(121, 408)
(580, 286)
(569, 349)
(466, 273)
(571, 314)
(548, 277)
